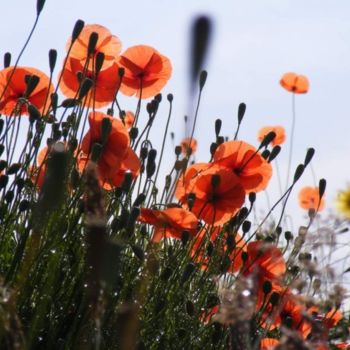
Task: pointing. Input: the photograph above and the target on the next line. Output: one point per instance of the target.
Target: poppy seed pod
(241, 111)
(288, 235)
(133, 133)
(252, 197)
(246, 226)
(170, 97)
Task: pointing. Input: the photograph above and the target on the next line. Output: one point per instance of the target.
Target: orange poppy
(188, 146)
(104, 88)
(170, 222)
(146, 71)
(113, 176)
(107, 44)
(14, 101)
(217, 203)
(268, 343)
(297, 84)
(264, 259)
(309, 198)
(278, 130)
(246, 162)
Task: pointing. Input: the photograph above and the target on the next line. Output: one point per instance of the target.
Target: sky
(254, 42)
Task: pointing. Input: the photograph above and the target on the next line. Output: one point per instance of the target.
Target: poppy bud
(158, 98)
(110, 112)
(225, 264)
(133, 133)
(230, 242)
(126, 185)
(215, 180)
(241, 111)
(267, 287)
(242, 214)
(9, 196)
(92, 43)
(166, 274)
(288, 235)
(54, 101)
(322, 187)
(252, 197)
(4, 179)
(3, 164)
(34, 113)
(178, 150)
(121, 72)
(202, 79)
(100, 57)
(188, 271)
(73, 144)
(218, 124)
(39, 6)
(138, 251)
(20, 183)
(143, 153)
(172, 135)
(246, 226)
(298, 172)
(96, 152)
(52, 59)
(139, 200)
(189, 308)
(106, 127)
(213, 148)
(78, 27)
(274, 153)
(265, 154)
(13, 168)
(267, 139)
(7, 59)
(191, 197)
(170, 97)
(220, 140)
(32, 82)
(309, 155)
(278, 230)
(2, 148)
(24, 205)
(274, 298)
(210, 249)
(185, 236)
(85, 88)
(152, 155)
(70, 103)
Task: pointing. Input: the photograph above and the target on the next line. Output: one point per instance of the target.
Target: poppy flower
(105, 83)
(14, 100)
(169, 223)
(268, 343)
(309, 198)
(219, 195)
(107, 44)
(278, 130)
(188, 146)
(246, 162)
(146, 71)
(264, 259)
(113, 176)
(297, 84)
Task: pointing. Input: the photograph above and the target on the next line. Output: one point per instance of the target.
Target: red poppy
(278, 130)
(268, 343)
(188, 146)
(105, 83)
(146, 71)
(170, 222)
(309, 198)
(107, 44)
(13, 100)
(219, 195)
(246, 162)
(265, 260)
(297, 84)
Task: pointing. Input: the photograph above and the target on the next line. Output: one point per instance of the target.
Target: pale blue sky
(254, 43)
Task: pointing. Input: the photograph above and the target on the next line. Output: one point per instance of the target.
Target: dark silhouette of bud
(92, 43)
(185, 236)
(218, 124)
(13, 168)
(298, 172)
(309, 155)
(70, 103)
(96, 152)
(106, 127)
(85, 88)
(322, 187)
(267, 287)
(100, 57)
(252, 197)
(170, 97)
(133, 133)
(32, 82)
(187, 273)
(7, 59)
(241, 111)
(52, 59)
(274, 153)
(126, 185)
(39, 6)
(78, 27)
(202, 79)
